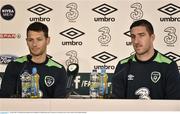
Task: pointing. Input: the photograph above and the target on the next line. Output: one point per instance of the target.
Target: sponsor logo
(72, 57)
(40, 10)
(173, 56)
(155, 76)
(171, 36)
(72, 33)
(143, 93)
(104, 57)
(137, 14)
(130, 77)
(104, 10)
(7, 12)
(170, 9)
(77, 81)
(128, 43)
(81, 82)
(73, 12)
(105, 37)
(5, 59)
(9, 35)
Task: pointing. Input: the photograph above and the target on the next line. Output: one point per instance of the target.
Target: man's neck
(39, 59)
(146, 56)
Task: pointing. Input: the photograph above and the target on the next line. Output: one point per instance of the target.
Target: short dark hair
(144, 23)
(38, 26)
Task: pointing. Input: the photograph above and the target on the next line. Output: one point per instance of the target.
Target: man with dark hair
(147, 74)
(52, 75)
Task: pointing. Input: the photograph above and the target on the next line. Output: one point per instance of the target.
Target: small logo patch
(130, 77)
(155, 76)
(49, 81)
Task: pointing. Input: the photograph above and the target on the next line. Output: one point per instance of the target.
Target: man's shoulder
(21, 59)
(53, 63)
(161, 58)
(127, 59)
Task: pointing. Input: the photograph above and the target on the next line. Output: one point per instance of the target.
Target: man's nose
(34, 43)
(136, 40)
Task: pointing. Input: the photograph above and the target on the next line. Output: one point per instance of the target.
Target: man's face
(37, 43)
(141, 40)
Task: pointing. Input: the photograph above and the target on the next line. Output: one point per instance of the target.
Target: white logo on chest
(130, 77)
(49, 81)
(155, 76)
(143, 93)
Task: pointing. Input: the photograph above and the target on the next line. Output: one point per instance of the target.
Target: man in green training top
(147, 74)
(52, 81)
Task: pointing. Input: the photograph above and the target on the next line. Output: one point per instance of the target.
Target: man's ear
(153, 36)
(48, 40)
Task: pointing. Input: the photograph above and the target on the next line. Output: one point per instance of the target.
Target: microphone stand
(72, 71)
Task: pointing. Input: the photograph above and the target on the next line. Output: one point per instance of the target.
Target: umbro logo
(170, 9)
(128, 43)
(127, 34)
(104, 9)
(173, 56)
(130, 77)
(104, 57)
(39, 9)
(72, 33)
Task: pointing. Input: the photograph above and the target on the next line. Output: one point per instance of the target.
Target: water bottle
(35, 84)
(94, 84)
(106, 92)
(103, 88)
(26, 85)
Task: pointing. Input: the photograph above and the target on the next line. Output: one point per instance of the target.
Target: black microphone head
(72, 69)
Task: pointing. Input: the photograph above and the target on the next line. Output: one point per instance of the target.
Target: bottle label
(26, 85)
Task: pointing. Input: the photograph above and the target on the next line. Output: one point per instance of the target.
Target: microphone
(72, 71)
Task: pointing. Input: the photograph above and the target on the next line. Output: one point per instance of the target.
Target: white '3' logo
(143, 93)
(73, 12)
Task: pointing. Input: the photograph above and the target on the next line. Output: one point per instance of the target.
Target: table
(87, 105)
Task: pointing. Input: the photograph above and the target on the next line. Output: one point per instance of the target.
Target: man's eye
(142, 34)
(29, 40)
(132, 36)
(39, 39)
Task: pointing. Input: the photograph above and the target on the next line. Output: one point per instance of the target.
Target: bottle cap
(103, 70)
(94, 70)
(34, 70)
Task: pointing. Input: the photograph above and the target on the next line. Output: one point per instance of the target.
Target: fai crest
(49, 81)
(155, 76)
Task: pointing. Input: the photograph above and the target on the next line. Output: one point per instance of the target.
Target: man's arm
(61, 81)
(8, 87)
(173, 82)
(119, 82)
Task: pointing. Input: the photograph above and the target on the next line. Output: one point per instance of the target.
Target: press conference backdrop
(92, 33)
